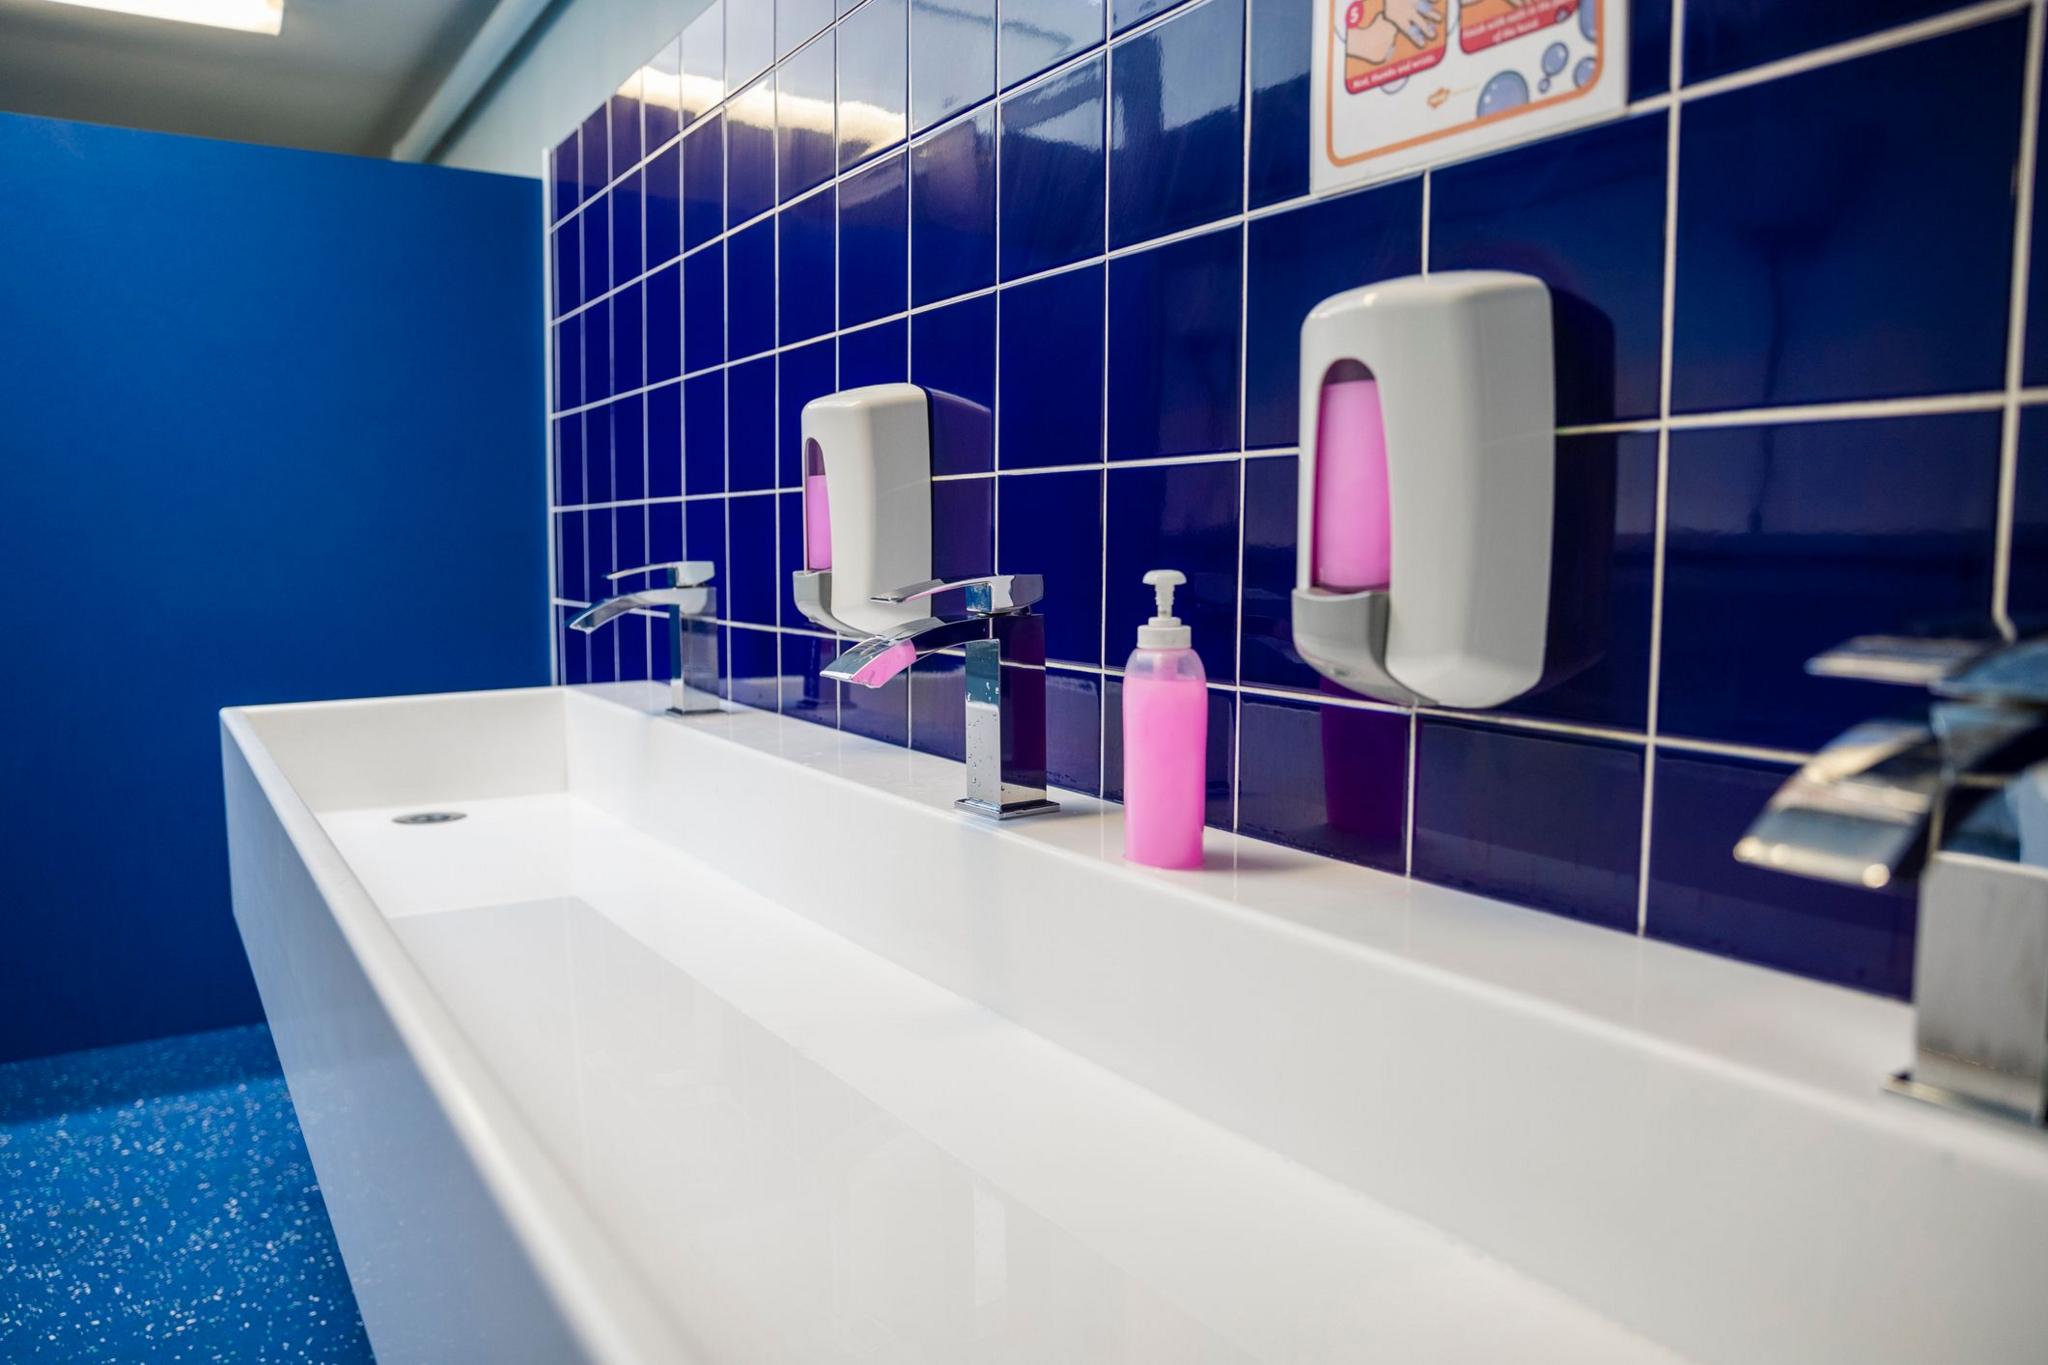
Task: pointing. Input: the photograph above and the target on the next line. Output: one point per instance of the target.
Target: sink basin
(726, 1038)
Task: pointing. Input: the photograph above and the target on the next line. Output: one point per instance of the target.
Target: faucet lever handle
(687, 573)
(987, 595)
(1903, 659)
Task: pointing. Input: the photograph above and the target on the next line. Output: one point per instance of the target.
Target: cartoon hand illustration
(1421, 20)
(1374, 42)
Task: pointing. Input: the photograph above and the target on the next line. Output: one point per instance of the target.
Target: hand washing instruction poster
(1402, 84)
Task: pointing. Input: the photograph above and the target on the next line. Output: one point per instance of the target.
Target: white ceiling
(344, 76)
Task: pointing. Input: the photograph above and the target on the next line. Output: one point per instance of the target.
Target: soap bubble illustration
(1582, 74)
(1554, 58)
(1589, 18)
(1543, 86)
(1503, 91)
(1394, 87)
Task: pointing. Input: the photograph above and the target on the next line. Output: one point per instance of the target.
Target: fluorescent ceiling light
(249, 16)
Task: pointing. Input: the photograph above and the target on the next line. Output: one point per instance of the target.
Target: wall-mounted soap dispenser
(872, 448)
(1428, 464)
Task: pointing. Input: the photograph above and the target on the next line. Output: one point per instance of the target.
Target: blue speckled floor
(157, 1204)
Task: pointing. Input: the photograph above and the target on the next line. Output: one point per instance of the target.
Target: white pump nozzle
(1164, 630)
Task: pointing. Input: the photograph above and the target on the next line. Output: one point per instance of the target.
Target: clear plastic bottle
(1166, 738)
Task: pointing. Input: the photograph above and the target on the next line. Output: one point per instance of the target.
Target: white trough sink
(727, 1039)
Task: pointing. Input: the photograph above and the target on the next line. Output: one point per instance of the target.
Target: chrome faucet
(1960, 803)
(692, 609)
(1005, 706)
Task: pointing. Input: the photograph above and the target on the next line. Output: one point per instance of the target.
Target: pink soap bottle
(1166, 738)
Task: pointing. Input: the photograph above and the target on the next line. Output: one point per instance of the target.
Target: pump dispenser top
(1165, 630)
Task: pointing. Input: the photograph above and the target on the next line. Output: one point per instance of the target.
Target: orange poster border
(1330, 98)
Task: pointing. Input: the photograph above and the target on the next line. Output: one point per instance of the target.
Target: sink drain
(428, 817)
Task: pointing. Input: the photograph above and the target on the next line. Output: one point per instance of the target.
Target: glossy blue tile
(596, 226)
(1124, 13)
(1804, 275)
(664, 206)
(625, 205)
(1583, 213)
(1649, 48)
(805, 694)
(1281, 31)
(565, 245)
(567, 433)
(953, 352)
(881, 713)
(1173, 347)
(569, 364)
(805, 289)
(751, 581)
(1051, 524)
(628, 350)
(1531, 818)
(1782, 541)
(874, 242)
(597, 351)
(952, 57)
(596, 141)
(571, 577)
(1176, 517)
(2034, 372)
(874, 93)
(565, 177)
(797, 21)
(597, 555)
(875, 355)
(753, 661)
(1177, 148)
(703, 59)
(629, 541)
(1701, 897)
(664, 527)
(1049, 410)
(629, 451)
(963, 528)
(665, 323)
(1073, 730)
(953, 209)
(1727, 35)
(938, 706)
(750, 152)
(704, 308)
(704, 433)
(2027, 593)
(1222, 755)
(1037, 33)
(572, 652)
(1296, 260)
(803, 374)
(704, 534)
(1052, 171)
(750, 425)
(597, 455)
(1266, 645)
(631, 633)
(1606, 501)
(625, 125)
(749, 40)
(665, 442)
(750, 289)
(806, 139)
(1329, 779)
(704, 182)
(661, 92)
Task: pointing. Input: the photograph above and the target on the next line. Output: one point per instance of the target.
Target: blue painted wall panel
(268, 425)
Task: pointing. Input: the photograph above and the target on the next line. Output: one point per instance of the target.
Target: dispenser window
(817, 511)
(1352, 544)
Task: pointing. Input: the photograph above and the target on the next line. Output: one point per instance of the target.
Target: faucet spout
(873, 662)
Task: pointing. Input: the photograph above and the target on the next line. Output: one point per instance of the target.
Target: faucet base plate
(1016, 810)
(1902, 1083)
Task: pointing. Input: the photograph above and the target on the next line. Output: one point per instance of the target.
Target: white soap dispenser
(868, 480)
(1428, 464)
(1166, 737)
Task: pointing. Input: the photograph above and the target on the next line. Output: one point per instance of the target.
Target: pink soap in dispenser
(1166, 738)
(817, 510)
(1353, 543)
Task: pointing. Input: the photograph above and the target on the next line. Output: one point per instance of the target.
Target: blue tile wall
(1782, 387)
